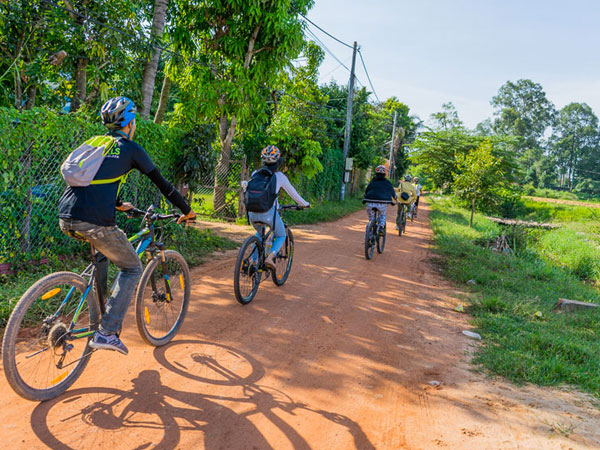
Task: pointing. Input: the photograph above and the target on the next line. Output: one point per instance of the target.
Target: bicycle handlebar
(296, 207)
(135, 212)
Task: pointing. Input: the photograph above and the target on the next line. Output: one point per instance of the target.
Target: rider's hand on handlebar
(125, 206)
(189, 217)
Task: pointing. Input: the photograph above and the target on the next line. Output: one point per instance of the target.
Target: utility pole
(348, 123)
(392, 145)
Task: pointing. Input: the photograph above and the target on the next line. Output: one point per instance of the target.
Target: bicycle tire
(400, 220)
(381, 242)
(39, 290)
(147, 313)
(255, 277)
(278, 278)
(369, 244)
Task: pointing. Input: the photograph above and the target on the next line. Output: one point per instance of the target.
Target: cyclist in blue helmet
(89, 211)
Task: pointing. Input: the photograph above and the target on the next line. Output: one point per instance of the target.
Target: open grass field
(514, 292)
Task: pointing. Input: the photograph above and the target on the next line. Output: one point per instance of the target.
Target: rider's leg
(113, 243)
(370, 211)
(382, 215)
(278, 240)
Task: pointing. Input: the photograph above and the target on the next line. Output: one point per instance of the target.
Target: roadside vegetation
(514, 293)
(326, 211)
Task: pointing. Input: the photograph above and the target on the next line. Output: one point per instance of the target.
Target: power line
(367, 73)
(324, 47)
(328, 34)
(331, 71)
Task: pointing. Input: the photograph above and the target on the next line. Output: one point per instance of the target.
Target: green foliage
(481, 177)
(296, 126)
(511, 304)
(447, 119)
(199, 157)
(243, 46)
(575, 145)
(31, 185)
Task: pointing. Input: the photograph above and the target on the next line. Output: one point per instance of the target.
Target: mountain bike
(374, 236)
(250, 268)
(401, 218)
(45, 346)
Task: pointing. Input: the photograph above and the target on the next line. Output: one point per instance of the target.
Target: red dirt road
(338, 358)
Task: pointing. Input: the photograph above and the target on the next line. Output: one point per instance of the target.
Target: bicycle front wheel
(247, 272)
(370, 239)
(283, 261)
(162, 298)
(45, 346)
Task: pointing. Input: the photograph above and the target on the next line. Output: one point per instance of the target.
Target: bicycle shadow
(208, 366)
(154, 415)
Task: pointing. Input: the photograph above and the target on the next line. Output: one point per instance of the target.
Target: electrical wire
(328, 34)
(368, 77)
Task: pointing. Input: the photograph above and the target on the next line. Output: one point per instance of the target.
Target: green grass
(554, 212)
(511, 304)
(324, 212)
(193, 244)
(562, 195)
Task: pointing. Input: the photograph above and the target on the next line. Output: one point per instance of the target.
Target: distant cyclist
(89, 212)
(379, 194)
(407, 195)
(271, 179)
(418, 189)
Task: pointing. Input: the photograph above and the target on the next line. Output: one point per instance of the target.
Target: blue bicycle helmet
(117, 113)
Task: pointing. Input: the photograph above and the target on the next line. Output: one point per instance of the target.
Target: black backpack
(261, 191)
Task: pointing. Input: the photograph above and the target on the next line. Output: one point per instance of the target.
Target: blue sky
(428, 52)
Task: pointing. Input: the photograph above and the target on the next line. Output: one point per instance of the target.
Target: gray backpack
(82, 165)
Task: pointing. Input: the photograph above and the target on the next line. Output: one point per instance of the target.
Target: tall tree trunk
(149, 77)
(80, 84)
(226, 133)
(31, 92)
(18, 90)
(164, 100)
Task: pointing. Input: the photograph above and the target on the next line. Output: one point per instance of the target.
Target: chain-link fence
(219, 196)
(29, 206)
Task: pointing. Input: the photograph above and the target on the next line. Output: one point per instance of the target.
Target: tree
(523, 111)
(148, 79)
(575, 142)
(234, 50)
(447, 118)
(437, 153)
(297, 126)
(480, 175)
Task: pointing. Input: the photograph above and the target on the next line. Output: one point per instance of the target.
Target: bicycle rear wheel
(401, 220)
(283, 262)
(370, 239)
(42, 355)
(247, 273)
(162, 298)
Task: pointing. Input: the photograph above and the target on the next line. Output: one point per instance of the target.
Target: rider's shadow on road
(154, 415)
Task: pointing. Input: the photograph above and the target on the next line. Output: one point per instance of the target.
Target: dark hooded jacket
(380, 190)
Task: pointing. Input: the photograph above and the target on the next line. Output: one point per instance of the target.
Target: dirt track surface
(338, 358)
(565, 202)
